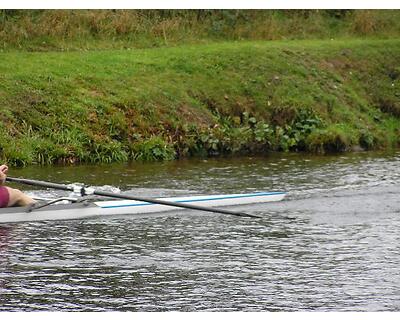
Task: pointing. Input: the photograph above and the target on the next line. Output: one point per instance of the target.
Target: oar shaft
(170, 203)
(127, 197)
(38, 183)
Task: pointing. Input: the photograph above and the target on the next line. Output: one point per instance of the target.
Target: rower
(10, 197)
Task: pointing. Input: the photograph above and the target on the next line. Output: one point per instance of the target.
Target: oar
(89, 191)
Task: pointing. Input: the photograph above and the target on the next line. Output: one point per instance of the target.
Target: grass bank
(223, 98)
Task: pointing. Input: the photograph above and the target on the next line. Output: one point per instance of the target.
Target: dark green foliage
(107, 152)
(152, 149)
(367, 140)
(332, 139)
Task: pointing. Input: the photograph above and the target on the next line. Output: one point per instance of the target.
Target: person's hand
(3, 168)
(3, 172)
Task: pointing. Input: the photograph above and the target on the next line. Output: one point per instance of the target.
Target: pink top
(4, 197)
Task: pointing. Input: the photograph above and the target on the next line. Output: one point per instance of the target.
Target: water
(333, 244)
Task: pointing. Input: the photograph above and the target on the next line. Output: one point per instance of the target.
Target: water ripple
(332, 245)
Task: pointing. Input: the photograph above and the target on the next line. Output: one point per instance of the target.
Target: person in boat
(10, 197)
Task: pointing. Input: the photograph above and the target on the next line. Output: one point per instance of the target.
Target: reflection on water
(332, 245)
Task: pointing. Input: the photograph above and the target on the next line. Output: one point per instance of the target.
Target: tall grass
(104, 29)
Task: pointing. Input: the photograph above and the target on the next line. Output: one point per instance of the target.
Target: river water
(332, 244)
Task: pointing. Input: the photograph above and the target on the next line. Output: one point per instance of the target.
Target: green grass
(221, 98)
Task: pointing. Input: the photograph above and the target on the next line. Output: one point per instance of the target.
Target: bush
(152, 149)
(367, 140)
(332, 139)
(293, 135)
(107, 152)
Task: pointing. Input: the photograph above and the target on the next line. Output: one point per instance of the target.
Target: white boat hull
(129, 207)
